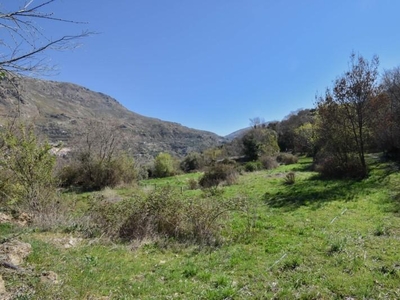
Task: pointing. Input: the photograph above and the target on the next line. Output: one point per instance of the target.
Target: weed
(336, 246)
(290, 264)
(381, 230)
(221, 281)
(190, 270)
(290, 178)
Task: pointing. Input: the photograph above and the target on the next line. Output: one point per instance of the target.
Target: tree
(286, 129)
(26, 169)
(304, 139)
(193, 161)
(23, 40)
(345, 112)
(257, 122)
(259, 141)
(164, 165)
(386, 107)
(97, 160)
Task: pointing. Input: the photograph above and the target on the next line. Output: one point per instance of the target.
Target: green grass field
(313, 239)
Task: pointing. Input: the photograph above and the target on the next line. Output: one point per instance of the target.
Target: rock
(66, 242)
(3, 290)
(14, 252)
(24, 219)
(49, 277)
(5, 218)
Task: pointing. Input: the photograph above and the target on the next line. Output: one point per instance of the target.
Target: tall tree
(346, 111)
(386, 127)
(259, 141)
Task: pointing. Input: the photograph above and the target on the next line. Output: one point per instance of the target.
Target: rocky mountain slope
(60, 111)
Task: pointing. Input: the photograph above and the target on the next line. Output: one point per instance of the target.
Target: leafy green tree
(259, 141)
(164, 165)
(286, 129)
(192, 161)
(305, 139)
(26, 167)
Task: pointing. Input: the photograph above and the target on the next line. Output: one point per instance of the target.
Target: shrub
(164, 166)
(193, 184)
(217, 174)
(252, 166)
(332, 167)
(26, 167)
(162, 213)
(213, 191)
(287, 158)
(88, 173)
(192, 162)
(269, 162)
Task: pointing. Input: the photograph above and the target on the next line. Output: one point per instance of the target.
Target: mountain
(237, 134)
(60, 110)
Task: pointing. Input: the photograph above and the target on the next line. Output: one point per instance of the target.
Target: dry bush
(269, 162)
(219, 174)
(94, 174)
(162, 214)
(287, 159)
(54, 215)
(332, 167)
(193, 184)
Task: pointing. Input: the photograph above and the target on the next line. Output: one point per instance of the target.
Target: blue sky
(214, 64)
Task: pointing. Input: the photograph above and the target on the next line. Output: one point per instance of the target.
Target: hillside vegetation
(98, 202)
(312, 239)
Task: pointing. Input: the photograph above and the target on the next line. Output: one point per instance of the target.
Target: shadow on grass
(311, 192)
(316, 190)
(304, 166)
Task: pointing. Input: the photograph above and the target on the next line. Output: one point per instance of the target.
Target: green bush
(192, 162)
(164, 166)
(287, 159)
(26, 167)
(218, 174)
(253, 166)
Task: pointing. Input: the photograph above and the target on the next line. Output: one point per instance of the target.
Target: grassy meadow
(310, 239)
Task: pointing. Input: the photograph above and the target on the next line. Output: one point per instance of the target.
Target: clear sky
(214, 64)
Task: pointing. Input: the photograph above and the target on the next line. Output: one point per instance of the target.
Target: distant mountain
(237, 134)
(61, 109)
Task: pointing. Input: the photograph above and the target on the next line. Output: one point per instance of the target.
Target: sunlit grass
(314, 239)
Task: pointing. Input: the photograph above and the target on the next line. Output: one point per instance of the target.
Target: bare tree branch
(23, 42)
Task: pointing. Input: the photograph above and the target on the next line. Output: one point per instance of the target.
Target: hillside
(61, 109)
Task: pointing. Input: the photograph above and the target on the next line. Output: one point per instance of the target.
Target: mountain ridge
(60, 110)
